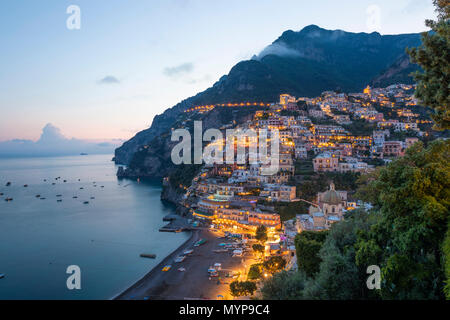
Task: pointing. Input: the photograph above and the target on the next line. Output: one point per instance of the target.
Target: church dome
(331, 196)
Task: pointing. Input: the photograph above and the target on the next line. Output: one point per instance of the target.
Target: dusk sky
(133, 59)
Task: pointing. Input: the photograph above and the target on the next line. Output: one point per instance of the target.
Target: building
(324, 162)
(332, 202)
(301, 152)
(393, 148)
(410, 141)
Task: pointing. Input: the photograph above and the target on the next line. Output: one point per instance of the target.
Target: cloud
(53, 143)
(205, 78)
(109, 80)
(178, 70)
(278, 49)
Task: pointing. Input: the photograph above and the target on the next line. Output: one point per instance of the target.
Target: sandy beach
(194, 283)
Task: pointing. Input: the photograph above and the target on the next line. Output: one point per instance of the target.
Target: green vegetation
(274, 264)
(255, 271)
(433, 82)
(261, 234)
(288, 210)
(308, 245)
(242, 288)
(183, 175)
(405, 234)
(360, 127)
(259, 248)
(412, 200)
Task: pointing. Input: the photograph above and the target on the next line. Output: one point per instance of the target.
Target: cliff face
(399, 72)
(303, 63)
(154, 159)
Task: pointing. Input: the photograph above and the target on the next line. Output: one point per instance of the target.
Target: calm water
(40, 238)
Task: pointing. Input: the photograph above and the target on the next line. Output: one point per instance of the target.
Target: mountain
(303, 63)
(399, 72)
(53, 143)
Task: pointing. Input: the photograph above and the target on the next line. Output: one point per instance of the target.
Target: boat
(180, 259)
(74, 197)
(2, 275)
(220, 250)
(59, 195)
(42, 198)
(92, 198)
(8, 184)
(181, 269)
(166, 268)
(86, 202)
(1, 193)
(199, 242)
(25, 186)
(83, 154)
(38, 196)
(65, 181)
(186, 252)
(59, 200)
(8, 199)
(148, 255)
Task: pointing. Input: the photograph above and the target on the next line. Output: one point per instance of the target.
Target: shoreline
(139, 283)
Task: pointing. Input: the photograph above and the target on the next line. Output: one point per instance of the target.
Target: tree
(261, 234)
(284, 286)
(242, 288)
(339, 277)
(413, 195)
(259, 248)
(434, 58)
(307, 246)
(255, 271)
(274, 264)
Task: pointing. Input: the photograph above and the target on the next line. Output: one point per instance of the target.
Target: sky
(130, 60)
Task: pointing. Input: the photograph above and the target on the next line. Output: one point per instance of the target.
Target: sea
(100, 225)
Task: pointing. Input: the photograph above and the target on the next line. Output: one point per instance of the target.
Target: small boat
(65, 181)
(199, 242)
(186, 252)
(38, 196)
(148, 255)
(180, 259)
(86, 202)
(8, 184)
(45, 180)
(59, 195)
(2, 275)
(102, 186)
(81, 188)
(92, 198)
(74, 197)
(220, 250)
(25, 186)
(42, 198)
(1, 193)
(59, 200)
(9, 199)
(53, 184)
(182, 269)
(167, 268)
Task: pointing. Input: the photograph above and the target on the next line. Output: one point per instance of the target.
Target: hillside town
(334, 134)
